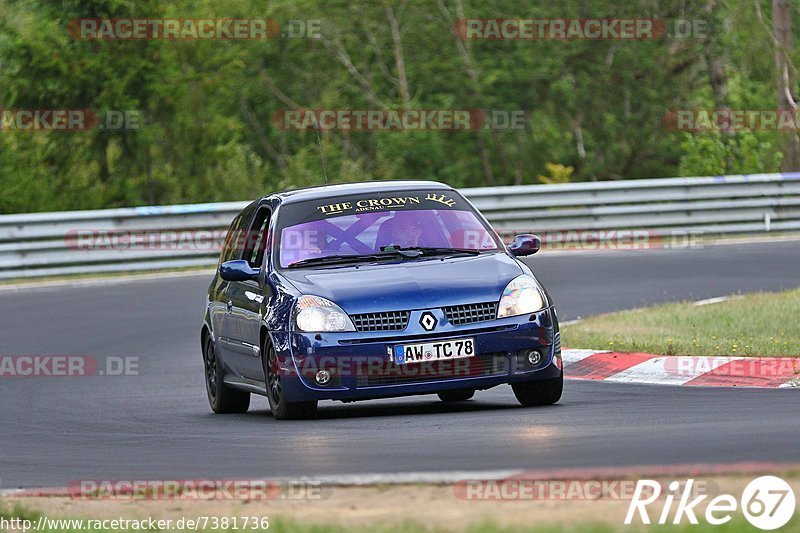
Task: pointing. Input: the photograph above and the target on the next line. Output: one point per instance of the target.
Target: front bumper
(361, 363)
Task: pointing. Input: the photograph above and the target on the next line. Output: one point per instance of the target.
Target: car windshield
(362, 226)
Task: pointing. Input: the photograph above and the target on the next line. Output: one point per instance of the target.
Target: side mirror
(239, 270)
(525, 244)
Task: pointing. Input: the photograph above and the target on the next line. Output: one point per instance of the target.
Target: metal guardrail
(43, 244)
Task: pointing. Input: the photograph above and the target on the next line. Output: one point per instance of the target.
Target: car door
(219, 308)
(247, 299)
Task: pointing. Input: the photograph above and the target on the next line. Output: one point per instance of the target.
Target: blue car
(374, 290)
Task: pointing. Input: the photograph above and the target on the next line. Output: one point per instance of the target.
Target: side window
(235, 239)
(257, 238)
(228, 248)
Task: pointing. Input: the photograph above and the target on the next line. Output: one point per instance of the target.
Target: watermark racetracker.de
(763, 367)
(522, 489)
(197, 489)
(579, 29)
(192, 29)
(727, 120)
(399, 119)
(39, 120)
(70, 366)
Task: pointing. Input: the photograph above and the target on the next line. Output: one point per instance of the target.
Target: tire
(281, 409)
(460, 395)
(544, 392)
(221, 398)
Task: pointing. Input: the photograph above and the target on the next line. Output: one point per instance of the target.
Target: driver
(406, 230)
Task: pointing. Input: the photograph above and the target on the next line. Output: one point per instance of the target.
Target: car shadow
(389, 407)
(433, 407)
(350, 412)
(339, 411)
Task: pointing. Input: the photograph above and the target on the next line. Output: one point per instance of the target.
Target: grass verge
(761, 324)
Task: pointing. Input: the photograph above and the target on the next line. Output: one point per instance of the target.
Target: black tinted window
(235, 239)
(257, 238)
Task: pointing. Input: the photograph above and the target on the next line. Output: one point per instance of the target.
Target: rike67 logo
(767, 502)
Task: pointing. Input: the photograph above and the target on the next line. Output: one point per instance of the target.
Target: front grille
(471, 313)
(426, 337)
(392, 374)
(389, 321)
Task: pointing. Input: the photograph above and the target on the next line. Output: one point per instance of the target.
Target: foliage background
(594, 109)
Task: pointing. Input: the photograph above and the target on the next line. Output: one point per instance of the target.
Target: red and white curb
(766, 372)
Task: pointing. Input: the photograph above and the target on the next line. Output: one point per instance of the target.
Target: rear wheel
(281, 409)
(544, 392)
(221, 397)
(460, 395)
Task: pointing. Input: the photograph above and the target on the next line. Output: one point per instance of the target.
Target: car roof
(364, 187)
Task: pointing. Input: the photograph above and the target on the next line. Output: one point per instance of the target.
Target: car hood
(413, 284)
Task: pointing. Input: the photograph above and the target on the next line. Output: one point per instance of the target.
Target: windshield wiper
(432, 250)
(387, 252)
(337, 259)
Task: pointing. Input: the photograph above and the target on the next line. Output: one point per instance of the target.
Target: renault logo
(428, 321)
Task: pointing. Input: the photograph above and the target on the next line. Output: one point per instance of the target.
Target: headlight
(314, 314)
(520, 297)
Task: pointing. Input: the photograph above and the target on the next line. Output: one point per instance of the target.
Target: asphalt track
(158, 425)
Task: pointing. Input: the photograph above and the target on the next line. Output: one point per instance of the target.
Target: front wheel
(544, 392)
(282, 409)
(222, 398)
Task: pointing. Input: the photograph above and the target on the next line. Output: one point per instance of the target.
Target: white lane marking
(408, 478)
(669, 370)
(754, 240)
(709, 301)
(717, 300)
(791, 384)
(570, 357)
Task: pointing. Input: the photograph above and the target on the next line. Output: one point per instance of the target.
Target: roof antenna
(322, 155)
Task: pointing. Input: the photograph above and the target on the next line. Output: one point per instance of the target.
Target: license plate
(434, 351)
